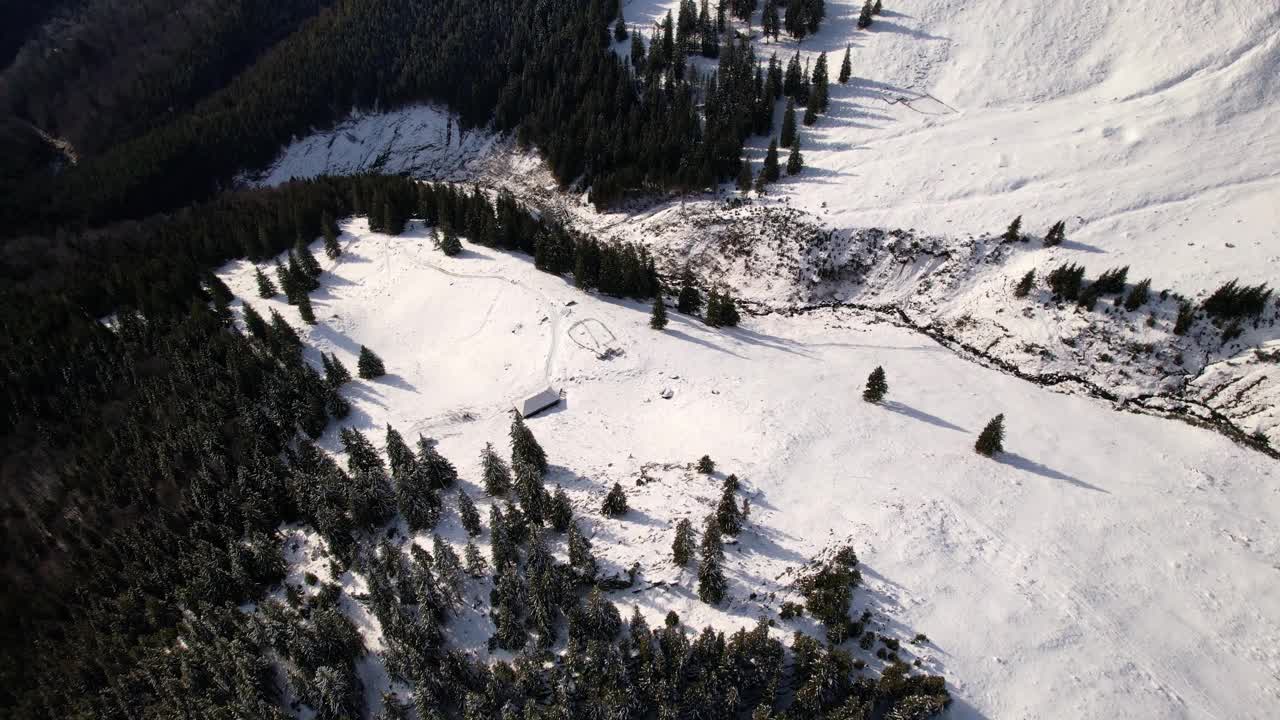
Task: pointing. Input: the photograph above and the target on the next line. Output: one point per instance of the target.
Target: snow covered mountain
(1112, 564)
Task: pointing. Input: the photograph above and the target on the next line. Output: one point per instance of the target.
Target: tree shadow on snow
(908, 411)
(1015, 460)
(396, 381)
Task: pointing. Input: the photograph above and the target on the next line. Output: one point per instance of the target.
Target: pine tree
(711, 582)
(336, 373)
(330, 230)
(529, 490)
(501, 549)
(991, 441)
(619, 28)
(581, 560)
(769, 20)
(494, 471)
(309, 264)
(875, 10)
(560, 510)
(370, 497)
(448, 241)
(254, 323)
(864, 19)
(788, 136)
(468, 514)
(1014, 232)
(1025, 284)
(810, 114)
(682, 546)
(770, 170)
(288, 286)
(795, 163)
(792, 79)
(524, 447)
(438, 472)
(690, 300)
(877, 386)
(819, 96)
(846, 65)
(283, 335)
(1137, 296)
(305, 311)
(399, 456)
(448, 567)
(744, 177)
(637, 52)
(476, 565)
(705, 465)
(1056, 235)
(615, 503)
(728, 517)
(266, 288)
(658, 318)
(369, 365)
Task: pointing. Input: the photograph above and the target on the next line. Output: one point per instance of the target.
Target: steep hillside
(1109, 564)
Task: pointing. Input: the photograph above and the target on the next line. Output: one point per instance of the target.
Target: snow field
(1108, 565)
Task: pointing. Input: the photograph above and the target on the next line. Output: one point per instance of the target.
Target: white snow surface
(422, 139)
(1107, 565)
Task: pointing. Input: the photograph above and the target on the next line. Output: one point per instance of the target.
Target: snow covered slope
(1150, 126)
(422, 139)
(1109, 565)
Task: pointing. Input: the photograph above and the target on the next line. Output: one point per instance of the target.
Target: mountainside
(899, 360)
(1107, 563)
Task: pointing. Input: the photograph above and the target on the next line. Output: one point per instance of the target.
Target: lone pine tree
(877, 386)
(846, 66)
(369, 365)
(1025, 284)
(864, 19)
(706, 465)
(991, 440)
(658, 318)
(615, 503)
(1014, 231)
(266, 288)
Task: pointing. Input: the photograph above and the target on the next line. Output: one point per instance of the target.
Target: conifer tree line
(544, 71)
